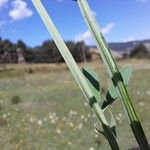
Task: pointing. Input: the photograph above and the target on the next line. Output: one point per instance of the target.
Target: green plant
(30, 71)
(15, 99)
(3, 122)
(88, 80)
(139, 52)
(119, 85)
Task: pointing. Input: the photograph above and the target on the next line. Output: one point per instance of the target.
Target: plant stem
(114, 73)
(110, 137)
(78, 75)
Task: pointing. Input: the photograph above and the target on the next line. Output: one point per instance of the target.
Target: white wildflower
(17, 109)
(118, 119)
(85, 104)
(96, 135)
(141, 103)
(1, 101)
(89, 115)
(120, 114)
(85, 120)
(53, 121)
(51, 116)
(45, 119)
(58, 131)
(32, 119)
(94, 116)
(4, 115)
(82, 117)
(148, 92)
(71, 113)
(9, 114)
(23, 120)
(54, 114)
(71, 124)
(69, 143)
(91, 148)
(64, 118)
(39, 122)
(80, 126)
(56, 118)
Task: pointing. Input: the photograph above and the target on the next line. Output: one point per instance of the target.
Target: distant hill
(126, 47)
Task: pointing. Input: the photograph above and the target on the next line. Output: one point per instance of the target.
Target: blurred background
(41, 106)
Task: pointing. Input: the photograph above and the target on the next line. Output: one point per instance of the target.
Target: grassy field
(42, 108)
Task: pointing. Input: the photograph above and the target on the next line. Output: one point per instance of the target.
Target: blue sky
(120, 20)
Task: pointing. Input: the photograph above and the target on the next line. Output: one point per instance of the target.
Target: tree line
(47, 52)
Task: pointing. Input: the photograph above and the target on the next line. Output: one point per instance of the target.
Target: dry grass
(51, 115)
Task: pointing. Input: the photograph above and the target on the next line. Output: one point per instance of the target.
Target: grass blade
(78, 75)
(114, 73)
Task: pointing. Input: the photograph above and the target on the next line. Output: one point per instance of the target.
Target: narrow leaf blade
(126, 74)
(111, 96)
(93, 81)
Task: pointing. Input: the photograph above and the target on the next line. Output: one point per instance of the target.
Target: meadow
(42, 108)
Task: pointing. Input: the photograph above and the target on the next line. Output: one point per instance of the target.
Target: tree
(29, 55)
(8, 52)
(139, 52)
(82, 52)
(45, 53)
(21, 44)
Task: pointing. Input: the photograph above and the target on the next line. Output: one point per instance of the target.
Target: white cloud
(86, 36)
(3, 3)
(20, 10)
(108, 28)
(129, 39)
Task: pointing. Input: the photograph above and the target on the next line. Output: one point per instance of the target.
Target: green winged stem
(107, 57)
(88, 91)
(112, 94)
(114, 73)
(78, 75)
(98, 37)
